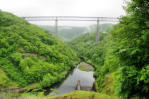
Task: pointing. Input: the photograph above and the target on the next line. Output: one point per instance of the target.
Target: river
(69, 84)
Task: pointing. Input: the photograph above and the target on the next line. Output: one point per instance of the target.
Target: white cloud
(106, 8)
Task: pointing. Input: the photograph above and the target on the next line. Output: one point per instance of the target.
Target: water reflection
(69, 85)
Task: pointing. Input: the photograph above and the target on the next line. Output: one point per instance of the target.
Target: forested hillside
(65, 33)
(28, 54)
(121, 59)
(68, 33)
(104, 27)
(88, 49)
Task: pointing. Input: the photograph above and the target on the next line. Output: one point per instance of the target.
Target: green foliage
(23, 96)
(95, 53)
(84, 95)
(5, 82)
(128, 53)
(28, 53)
(131, 34)
(87, 48)
(125, 51)
(49, 79)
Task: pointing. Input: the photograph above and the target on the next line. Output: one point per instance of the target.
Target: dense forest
(122, 55)
(28, 55)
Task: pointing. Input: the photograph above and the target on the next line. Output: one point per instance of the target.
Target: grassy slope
(22, 96)
(85, 67)
(5, 82)
(72, 95)
(108, 84)
(84, 95)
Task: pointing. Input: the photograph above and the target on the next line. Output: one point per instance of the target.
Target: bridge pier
(98, 31)
(56, 27)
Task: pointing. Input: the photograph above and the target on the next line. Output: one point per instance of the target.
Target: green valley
(36, 65)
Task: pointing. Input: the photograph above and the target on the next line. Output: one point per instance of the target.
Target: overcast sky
(101, 8)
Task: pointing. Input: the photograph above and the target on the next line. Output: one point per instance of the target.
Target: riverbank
(85, 67)
(69, 84)
(67, 88)
(72, 95)
(23, 96)
(13, 87)
(84, 95)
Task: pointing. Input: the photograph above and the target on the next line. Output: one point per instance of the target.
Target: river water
(69, 84)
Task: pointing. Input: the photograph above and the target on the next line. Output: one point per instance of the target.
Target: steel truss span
(69, 18)
(72, 18)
